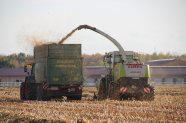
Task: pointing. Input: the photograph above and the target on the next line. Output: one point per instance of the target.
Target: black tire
(31, 91)
(126, 97)
(114, 91)
(22, 91)
(149, 96)
(78, 97)
(102, 92)
(41, 95)
(74, 97)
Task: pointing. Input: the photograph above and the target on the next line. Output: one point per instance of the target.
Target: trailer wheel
(22, 91)
(41, 94)
(75, 97)
(78, 97)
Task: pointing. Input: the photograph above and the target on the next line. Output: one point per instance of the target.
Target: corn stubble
(169, 106)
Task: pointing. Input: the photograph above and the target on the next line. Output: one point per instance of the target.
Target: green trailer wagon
(56, 72)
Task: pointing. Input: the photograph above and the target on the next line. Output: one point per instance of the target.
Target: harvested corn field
(169, 106)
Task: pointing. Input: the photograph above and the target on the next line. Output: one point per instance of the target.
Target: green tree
(21, 58)
(183, 57)
(5, 63)
(154, 56)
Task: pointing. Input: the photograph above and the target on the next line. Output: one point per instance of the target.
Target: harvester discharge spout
(121, 50)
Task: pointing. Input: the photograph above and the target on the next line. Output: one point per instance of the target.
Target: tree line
(97, 59)
(20, 59)
(14, 60)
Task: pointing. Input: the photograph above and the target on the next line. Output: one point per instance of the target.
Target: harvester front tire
(102, 89)
(114, 91)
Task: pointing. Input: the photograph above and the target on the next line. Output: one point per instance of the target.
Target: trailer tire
(22, 91)
(74, 97)
(41, 95)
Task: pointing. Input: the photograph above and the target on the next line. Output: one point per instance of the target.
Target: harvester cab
(115, 57)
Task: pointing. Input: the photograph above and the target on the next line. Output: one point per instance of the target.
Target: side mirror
(25, 68)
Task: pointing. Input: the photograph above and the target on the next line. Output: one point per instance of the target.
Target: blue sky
(138, 25)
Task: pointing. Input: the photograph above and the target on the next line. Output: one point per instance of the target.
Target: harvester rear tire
(149, 96)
